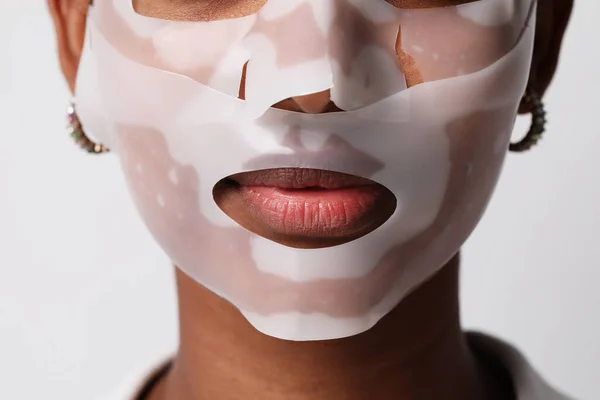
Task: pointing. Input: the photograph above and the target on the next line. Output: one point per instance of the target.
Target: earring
(538, 123)
(76, 131)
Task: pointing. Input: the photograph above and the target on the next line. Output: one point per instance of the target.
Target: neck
(418, 351)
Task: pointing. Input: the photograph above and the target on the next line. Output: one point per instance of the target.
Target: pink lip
(308, 202)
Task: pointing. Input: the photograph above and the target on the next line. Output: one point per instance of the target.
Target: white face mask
(163, 94)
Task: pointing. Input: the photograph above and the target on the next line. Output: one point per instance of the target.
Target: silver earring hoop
(538, 123)
(76, 132)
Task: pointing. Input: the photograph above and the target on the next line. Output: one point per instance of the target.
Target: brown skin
(418, 351)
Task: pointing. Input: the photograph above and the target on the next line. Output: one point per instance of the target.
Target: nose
(314, 103)
(319, 103)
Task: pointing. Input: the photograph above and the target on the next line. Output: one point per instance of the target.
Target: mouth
(305, 208)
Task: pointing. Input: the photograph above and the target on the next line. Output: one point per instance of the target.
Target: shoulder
(138, 383)
(528, 383)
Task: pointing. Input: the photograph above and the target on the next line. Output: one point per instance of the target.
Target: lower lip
(313, 212)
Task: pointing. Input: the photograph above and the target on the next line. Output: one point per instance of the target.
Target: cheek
(479, 144)
(444, 45)
(164, 191)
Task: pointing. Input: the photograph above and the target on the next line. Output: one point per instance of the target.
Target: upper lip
(335, 154)
(299, 178)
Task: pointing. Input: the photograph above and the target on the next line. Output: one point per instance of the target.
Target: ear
(552, 20)
(69, 18)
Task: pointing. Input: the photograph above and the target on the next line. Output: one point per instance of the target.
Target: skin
(418, 351)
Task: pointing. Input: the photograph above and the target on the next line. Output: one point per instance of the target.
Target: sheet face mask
(429, 99)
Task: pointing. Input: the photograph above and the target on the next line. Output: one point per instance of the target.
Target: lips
(303, 207)
(300, 178)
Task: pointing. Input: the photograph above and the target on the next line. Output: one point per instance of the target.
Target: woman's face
(420, 52)
(318, 215)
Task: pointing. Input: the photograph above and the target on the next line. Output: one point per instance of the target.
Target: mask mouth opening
(305, 208)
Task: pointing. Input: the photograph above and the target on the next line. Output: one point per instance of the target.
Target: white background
(86, 296)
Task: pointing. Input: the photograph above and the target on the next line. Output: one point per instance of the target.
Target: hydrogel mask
(429, 98)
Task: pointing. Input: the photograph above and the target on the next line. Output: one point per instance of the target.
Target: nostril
(313, 103)
(316, 103)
